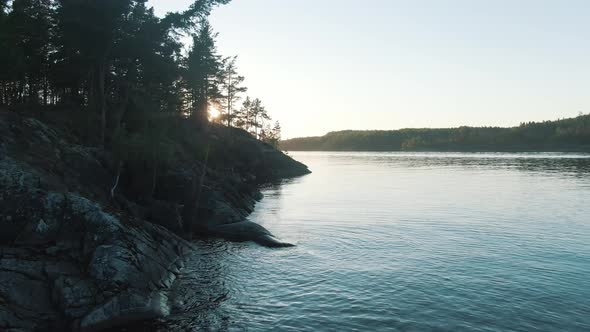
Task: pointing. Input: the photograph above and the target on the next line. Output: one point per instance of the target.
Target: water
(406, 242)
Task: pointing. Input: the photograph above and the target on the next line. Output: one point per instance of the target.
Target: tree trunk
(2, 93)
(97, 97)
(154, 179)
(256, 126)
(101, 102)
(116, 180)
(45, 91)
(229, 99)
(191, 206)
(205, 110)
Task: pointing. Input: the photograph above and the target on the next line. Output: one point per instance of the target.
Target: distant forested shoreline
(571, 134)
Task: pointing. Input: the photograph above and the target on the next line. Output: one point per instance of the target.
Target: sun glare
(214, 112)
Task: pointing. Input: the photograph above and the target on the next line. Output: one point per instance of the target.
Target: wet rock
(248, 231)
(258, 196)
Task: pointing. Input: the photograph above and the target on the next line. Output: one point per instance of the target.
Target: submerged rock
(248, 231)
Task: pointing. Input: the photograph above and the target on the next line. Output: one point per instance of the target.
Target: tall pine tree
(203, 69)
(231, 85)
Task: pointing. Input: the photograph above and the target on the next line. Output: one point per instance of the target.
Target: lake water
(406, 242)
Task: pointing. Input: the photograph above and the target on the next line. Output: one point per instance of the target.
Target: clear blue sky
(325, 65)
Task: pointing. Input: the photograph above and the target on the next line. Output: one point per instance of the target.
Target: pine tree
(276, 134)
(5, 57)
(231, 87)
(27, 35)
(259, 117)
(89, 29)
(202, 69)
(243, 115)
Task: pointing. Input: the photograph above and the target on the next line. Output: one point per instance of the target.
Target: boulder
(248, 231)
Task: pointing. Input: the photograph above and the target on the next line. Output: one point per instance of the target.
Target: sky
(327, 65)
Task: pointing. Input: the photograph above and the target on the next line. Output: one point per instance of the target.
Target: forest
(571, 134)
(117, 69)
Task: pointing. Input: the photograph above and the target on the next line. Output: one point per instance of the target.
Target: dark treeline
(562, 135)
(119, 69)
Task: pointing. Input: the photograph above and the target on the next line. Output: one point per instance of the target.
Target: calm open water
(406, 242)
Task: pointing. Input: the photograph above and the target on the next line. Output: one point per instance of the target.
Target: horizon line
(436, 128)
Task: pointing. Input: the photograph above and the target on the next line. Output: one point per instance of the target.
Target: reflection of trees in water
(566, 166)
(273, 192)
(578, 167)
(275, 189)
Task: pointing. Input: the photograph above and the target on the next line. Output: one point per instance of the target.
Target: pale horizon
(392, 65)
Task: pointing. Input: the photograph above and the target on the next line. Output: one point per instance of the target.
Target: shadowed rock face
(73, 259)
(64, 256)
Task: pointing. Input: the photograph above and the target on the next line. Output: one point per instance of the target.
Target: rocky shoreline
(74, 258)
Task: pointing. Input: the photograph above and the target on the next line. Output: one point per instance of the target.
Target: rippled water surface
(406, 242)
